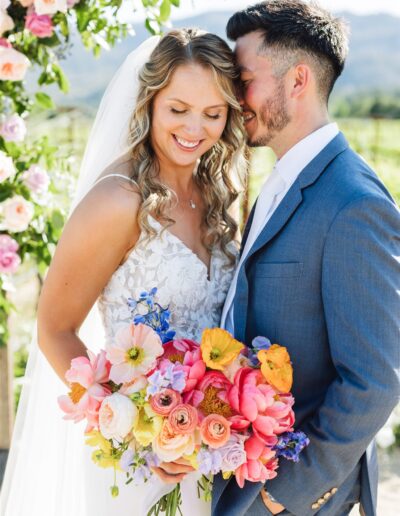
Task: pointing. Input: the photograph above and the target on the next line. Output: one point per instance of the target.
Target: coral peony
(261, 463)
(261, 405)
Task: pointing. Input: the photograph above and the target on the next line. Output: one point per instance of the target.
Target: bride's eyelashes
(183, 111)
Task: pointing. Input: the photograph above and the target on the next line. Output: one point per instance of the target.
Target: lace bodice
(165, 262)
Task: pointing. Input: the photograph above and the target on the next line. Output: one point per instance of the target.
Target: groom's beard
(273, 117)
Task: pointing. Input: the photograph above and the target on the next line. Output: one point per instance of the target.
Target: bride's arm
(94, 241)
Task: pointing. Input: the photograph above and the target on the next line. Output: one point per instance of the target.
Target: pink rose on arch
(256, 402)
(17, 213)
(40, 25)
(9, 262)
(261, 463)
(87, 378)
(13, 129)
(36, 179)
(188, 353)
(5, 43)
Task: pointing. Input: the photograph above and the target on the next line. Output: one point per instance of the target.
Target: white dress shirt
(284, 174)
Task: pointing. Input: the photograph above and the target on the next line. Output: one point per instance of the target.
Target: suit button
(315, 506)
(327, 495)
(321, 501)
(334, 490)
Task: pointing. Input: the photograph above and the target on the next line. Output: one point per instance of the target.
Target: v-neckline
(208, 269)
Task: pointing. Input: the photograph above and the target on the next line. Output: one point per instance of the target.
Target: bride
(152, 209)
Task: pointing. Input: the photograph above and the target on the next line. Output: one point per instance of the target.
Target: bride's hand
(173, 472)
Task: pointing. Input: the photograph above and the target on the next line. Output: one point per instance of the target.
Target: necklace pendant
(192, 204)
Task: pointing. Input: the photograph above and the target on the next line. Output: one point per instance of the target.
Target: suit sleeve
(360, 286)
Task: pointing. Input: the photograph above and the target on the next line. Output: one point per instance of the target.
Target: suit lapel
(294, 197)
(247, 228)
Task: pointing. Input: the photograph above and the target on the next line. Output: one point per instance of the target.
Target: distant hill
(373, 63)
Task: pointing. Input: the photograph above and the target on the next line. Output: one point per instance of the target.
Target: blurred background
(365, 103)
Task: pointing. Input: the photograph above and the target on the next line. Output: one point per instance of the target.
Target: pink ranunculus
(36, 179)
(269, 412)
(13, 64)
(6, 22)
(16, 213)
(13, 129)
(87, 378)
(188, 353)
(215, 430)
(7, 168)
(163, 402)
(261, 463)
(5, 43)
(40, 25)
(134, 352)
(183, 419)
(8, 244)
(9, 261)
(50, 6)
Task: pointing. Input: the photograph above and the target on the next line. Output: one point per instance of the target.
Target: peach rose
(170, 446)
(117, 415)
(50, 6)
(183, 419)
(13, 64)
(215, 430)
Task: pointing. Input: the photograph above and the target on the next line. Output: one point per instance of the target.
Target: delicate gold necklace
(191, 202)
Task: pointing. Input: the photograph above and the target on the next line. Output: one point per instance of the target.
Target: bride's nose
(194, 126)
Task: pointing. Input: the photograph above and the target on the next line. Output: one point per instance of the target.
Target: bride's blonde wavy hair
(220, 171)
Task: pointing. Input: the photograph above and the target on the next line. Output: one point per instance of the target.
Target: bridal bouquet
(151, 398)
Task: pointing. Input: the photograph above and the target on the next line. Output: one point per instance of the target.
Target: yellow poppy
(103, 456)
(147, 426)
(219, 348)
(276, 367)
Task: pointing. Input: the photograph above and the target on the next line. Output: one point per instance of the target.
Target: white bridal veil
(49, 471)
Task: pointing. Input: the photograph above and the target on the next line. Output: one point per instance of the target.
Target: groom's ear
(300, 79)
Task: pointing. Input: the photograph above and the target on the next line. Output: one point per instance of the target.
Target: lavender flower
(126, 460)
(209, 461)
(290, 444)
(259, 343)
(171, 378)
(233, 453)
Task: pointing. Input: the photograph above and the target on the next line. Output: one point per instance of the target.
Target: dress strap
(116, 175)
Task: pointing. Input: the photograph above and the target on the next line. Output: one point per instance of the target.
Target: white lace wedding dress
(195, 301)
(58, 482)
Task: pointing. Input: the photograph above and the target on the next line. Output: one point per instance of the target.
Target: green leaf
(176, 3)
(44, 100)
(61, 79)
(165, 11)
(152, 26)
(57, 219)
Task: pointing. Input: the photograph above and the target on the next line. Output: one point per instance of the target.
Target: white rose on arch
(6, 22)
(16, 214)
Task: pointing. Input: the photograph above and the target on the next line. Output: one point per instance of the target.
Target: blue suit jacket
(323, 279)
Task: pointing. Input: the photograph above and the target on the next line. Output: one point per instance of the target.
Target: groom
(319, 271)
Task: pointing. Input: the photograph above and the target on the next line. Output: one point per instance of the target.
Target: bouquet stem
(169, 504)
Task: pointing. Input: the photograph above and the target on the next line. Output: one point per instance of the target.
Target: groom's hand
(273, 507)
(172, 472)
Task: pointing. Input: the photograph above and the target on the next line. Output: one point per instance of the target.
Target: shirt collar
(300, 155)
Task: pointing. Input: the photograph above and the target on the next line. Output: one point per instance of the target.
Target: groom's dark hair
(290, 27)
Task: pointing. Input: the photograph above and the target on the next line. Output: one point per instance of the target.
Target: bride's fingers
(167, 478)
(176, 468)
